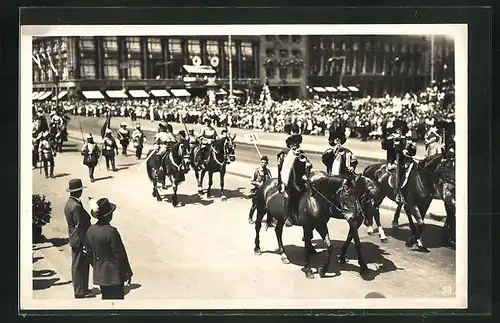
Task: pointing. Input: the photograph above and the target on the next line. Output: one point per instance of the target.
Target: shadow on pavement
(70, 149)
(187, 199)
(103, 178)
(43, 273)
(432, 236)
(121, 167)
(35, 259)
(59, 242)
(132, 287)
(237, 193)
(61, 175)
(127, 165)
(39, 284)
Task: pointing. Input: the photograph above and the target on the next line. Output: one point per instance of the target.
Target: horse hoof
(209, 196)
(309, 274)
(250, 221)
(257, 252)
(384, 240)
(285, 260)
(363, 269)
(409, 242)
(422, 249)
(341, 260)
(395, 224)
(153, 194)
(200, 192)
(223, 198)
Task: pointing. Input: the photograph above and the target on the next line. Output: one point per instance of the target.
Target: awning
(319, 89)
(117, 94)
(44, 96)
(92, 95)
(61, 95)
(34, 94)
(331, 89)
(191, 69)
(221, 92)
(342, 89)
(160, 93)
(353, 88)
(180, 92)
(39, 94)
(138, 93)
(238, 91)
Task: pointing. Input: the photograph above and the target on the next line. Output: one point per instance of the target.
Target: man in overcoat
(78, 223)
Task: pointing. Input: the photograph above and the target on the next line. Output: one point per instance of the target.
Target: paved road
(204, 249)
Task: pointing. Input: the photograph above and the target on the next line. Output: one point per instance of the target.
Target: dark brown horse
(220, 155)
(174, 165)
(323, 197)
(419, 189)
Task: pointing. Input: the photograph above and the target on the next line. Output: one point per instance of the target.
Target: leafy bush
(42, 210)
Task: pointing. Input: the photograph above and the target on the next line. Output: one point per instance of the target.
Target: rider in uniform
(447, 131)
(123, 136)
(47, 153)
(109, 148)
(163, 140)
(138, 139)
(90, 152)
(400, 148)
(207, 136)
(344, 161)
(260, 176)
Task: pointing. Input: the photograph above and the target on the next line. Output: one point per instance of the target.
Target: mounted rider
(400, 148)
(207, 137)
(123, 136)
(47, 152)
(138, 139)
(447, 131)
(192, 140)
(163, 140)
(344, 161)
(56, 120)
(286, 159)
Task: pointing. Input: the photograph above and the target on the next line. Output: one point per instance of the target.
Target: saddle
(392, 177)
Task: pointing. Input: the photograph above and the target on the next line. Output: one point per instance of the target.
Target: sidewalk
(246, 170)
(311, 144)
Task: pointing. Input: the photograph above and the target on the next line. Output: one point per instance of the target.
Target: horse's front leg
(307, 242)
(210, 183)
(353, 229)
(258, 225)
(418, 228)
(279, 235)
(175, 201)
(200, 177)
(395, 220)
(155, 190)
(381, 233)
(223, 196)
(323, 231)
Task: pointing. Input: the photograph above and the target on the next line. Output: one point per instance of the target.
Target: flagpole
(230, 72)
(432, 58)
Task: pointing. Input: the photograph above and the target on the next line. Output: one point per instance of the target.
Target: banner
(106, 125)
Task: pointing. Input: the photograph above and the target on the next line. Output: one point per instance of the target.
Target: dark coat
(108, 255)
(78, 221)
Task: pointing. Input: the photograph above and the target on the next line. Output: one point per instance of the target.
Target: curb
(385, 207)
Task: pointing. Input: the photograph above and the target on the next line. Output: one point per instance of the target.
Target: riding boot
(287, 211)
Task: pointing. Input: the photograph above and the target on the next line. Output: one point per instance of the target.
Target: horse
(441, 171)
(419, 190)
(366, 191)
(56, 136)
(323, 197)
(174, 165)
(221, 154)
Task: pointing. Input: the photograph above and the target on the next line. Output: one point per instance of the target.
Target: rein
(324, 197)
(434, 175)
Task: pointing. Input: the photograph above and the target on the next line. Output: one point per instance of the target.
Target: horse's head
(366, 191)
(183, 153)
(446, 168)
(348, 201)
(227, 147)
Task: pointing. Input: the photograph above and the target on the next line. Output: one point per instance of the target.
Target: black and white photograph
(244, 167)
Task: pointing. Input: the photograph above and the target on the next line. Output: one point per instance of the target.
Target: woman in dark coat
(107, 252)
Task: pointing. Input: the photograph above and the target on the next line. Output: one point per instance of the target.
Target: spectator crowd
(364, 118)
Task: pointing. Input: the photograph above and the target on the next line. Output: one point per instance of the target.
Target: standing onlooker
(106, 249)
(78, 223)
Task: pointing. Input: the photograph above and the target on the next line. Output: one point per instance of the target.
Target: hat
(264, 157)
(191, 130)
(123, 124)
(89, 136)
(162, 124)
(101, 207)
(75, 185)
(138, 125)
(108, 130)
(206, 119)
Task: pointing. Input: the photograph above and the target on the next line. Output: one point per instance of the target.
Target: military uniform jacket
(78, 221)
(208, 133)
(109, 146)
(46, 150)
(343, 158)
(164, 138)
(138, 138)
(123, 135)
(260, 175)
(109, 258)
(90, 153)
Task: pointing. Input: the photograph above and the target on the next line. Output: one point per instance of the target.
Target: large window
(174, 46)
(283, 73)
(194, 46)
(111, 69)
(283, 53)
(87, 69)
(284, 38)
(212, 47)
(233, 48)
(296, 73)
(247, 70)
(87, 43)
(110, 44)
(270, 38)
(270, 72)
(246, 49)
(134, 69)
(133, 44)
(295, 38)
(154, 45)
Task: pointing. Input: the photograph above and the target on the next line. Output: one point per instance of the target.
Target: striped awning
(61, 95)
(44, 96)
(319, 89)
(331, 89)
(34, 94)
(191, 69)
(180, 92)
(221, 92)
(353, 88)
(92, 95)
(117, 94)
(138, 93)
(160, 93)
(37, 95)
(342, 89)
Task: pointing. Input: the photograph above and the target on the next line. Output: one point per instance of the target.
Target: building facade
(378, 64)
(104, 63)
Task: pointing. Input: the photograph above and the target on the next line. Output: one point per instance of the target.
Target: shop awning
(221, 92)
(44, 96)
(117, 94)
(331, 89)
(37, 95)
(319, 89)
(342, 89)
(236, 91)
(180, 92)
(160, 93)
(61, 95)
(34, 94)
(191, 69)
(92, 95)
(353, 88)
(138, 93)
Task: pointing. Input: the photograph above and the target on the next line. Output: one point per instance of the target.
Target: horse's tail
(149, 166)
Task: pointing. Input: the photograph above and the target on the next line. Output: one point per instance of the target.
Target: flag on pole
(52, 65)
(106, 125)
(37, 60)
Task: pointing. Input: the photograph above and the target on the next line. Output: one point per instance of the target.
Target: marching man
(90, 152)
(109, 148)
(47, 153)
(123, 136)
(138, 138)
(260, 176)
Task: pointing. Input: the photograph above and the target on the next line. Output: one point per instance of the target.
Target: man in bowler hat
(106, 249)
(78, 223)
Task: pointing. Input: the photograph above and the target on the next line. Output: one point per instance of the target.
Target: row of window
(174, 45)
(283, 53)
(272, 72)
(284, 38)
